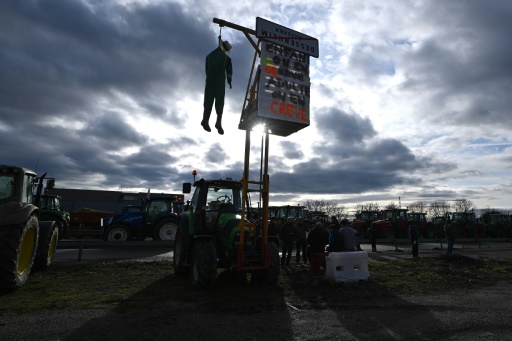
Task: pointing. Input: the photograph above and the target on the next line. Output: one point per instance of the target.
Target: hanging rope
(220, 34)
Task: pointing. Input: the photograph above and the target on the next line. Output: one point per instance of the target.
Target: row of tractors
(209, 231)
(156, 217)
(395, 223)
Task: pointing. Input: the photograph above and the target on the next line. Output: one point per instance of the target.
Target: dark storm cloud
(69, 69)
(62, 55)
(215, 154)
(337, 126)
(467, 62)
(350, 159)
(112, 133)
(291, 150)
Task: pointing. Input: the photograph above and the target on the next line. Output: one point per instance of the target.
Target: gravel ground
(481, 315)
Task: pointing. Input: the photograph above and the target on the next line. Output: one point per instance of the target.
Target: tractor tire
(480, 233)
(460, 233)
(62, 227)
(388, 233)
(430, 232)
(270, 275)
(165, 230)
(117, 233)
(178, 257)
(18, 247)
(47, 246)
(204, 264)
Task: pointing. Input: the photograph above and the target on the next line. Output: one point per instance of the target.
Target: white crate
(347, 266)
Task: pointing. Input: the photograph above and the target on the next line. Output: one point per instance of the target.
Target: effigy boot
(204, 122)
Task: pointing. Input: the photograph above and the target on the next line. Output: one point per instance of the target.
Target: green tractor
(497, 225)
(25, 242)
(51, 209)
(212, 234)
(465, 225)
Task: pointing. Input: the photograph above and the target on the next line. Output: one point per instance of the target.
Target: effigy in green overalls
(218, 66)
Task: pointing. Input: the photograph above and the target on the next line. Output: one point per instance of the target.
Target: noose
(220, 34)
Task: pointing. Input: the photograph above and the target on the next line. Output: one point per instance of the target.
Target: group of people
(298, 234)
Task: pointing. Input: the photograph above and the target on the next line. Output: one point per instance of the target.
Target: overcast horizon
(408, 99)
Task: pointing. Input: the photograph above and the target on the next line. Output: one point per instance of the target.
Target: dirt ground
(300, 307)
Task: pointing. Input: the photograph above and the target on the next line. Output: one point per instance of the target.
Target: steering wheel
(224, 199)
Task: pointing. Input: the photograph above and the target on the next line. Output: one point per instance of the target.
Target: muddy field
(435, 298)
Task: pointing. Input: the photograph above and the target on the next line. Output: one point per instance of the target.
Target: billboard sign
(284, 36)
(284, 85)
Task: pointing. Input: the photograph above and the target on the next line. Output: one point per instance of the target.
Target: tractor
(156, 219)
(426, 228)
(25, 242)
(51, 209)
(212, 235)
(364, 220)
(497, 225)
(439, 223)
(465, 225)
(393, 223)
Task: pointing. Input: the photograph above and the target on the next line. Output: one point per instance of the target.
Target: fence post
(80, 251)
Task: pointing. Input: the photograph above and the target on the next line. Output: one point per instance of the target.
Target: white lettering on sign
(281, 35)
(284, 86)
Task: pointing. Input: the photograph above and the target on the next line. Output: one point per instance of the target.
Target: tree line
(438, 208)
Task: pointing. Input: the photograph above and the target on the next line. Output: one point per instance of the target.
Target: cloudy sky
(409, 99)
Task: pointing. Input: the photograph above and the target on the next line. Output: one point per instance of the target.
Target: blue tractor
(157, 218)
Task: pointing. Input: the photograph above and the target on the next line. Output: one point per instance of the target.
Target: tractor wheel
(178, 259)
(501, 233)
(165, 230)
(61, 226)
(430, 232)
(480, 233)
(388, 233)
(117, 233)
(18, 246)
(47, 247)
(271, 275)
(204, 264)
(461, 233)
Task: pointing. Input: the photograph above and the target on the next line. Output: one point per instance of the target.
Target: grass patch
(137, 286)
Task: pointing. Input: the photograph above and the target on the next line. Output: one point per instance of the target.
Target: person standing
(317, 239)
(413, 234)
(273, 232)
(336, 240)
(301, 242)
(450, 237)
(335, 222)
(287, 238)
(358, 244)
(218, 66)
(372, 233)
(349, 236)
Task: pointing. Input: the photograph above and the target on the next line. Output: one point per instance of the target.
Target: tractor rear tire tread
(204, 264)
(11, 241)
(46, 252)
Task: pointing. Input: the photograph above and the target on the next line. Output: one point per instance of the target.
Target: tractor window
(401, 215)
(218, 196)
(6, 186)
(27, 189)
(56, 203)
(43, 202)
